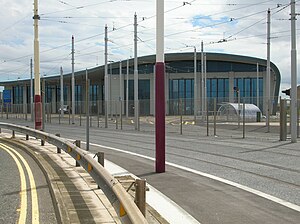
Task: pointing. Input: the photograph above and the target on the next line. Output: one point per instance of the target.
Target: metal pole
(44, 102)
(293, 74)
(205, 74)
(239, 107)
(106, 79)
(207, 121)
(127, 88)
(31, 91)
(73, 84)
(215, 116)
(87, 107)
(61, 92)
(136, 75)
(268, 70)
(37, 85)
(180, 109)
(116, 112)
(121, 114)
(244, 120)
(202, 81)
(98, 113)
(160, 135)
(283, 124)
(195, 85)
(257, 85)
(121, 83)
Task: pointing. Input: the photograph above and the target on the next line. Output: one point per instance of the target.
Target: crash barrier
(112, 188)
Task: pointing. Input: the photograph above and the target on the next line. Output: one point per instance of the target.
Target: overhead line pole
(61, 92)
(160, 135)
(195, 85)
(106, 78)
(202, 81)
(31, 91)
(37, 84)
(294, 119)
(268, 92)
(73, 84)
(136, 77)
(127, 87)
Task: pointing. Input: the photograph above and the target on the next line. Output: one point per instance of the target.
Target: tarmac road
(24, 193)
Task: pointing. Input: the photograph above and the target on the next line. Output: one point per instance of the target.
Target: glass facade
(144, 96)
(17, 94)
(181, 95)
(248, 90)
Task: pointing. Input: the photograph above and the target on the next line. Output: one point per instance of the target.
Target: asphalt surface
(259, 162)
(10, 190)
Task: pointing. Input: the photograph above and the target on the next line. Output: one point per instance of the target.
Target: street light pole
(37, 84)
(160, 134)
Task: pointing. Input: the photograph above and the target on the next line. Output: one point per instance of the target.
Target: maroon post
(38, 112)
(160, 117)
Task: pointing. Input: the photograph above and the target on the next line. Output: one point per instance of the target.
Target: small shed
(231, 111)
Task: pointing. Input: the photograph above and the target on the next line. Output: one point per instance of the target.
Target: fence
(228, 115)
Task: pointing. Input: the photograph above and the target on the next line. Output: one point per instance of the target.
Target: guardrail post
(13, 134)
(27, 136)
(58, 149)
(77, 143)
(140, 195)
(42, 141)
(100, 156)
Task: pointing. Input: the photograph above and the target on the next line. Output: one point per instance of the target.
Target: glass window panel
(226, 90)
(181, 89)
(188, 90)
(213, 87)
(208, 88)
(221, 92)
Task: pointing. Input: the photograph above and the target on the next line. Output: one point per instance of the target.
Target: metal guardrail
(113, 190)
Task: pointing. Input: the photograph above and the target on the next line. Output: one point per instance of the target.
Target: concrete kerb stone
(99, 206)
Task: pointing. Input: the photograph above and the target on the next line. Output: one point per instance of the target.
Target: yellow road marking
(34, 197)
(23, 192)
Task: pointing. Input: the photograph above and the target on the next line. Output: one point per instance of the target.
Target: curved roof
(250, 109)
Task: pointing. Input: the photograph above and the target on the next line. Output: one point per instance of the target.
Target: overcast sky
(228, 26)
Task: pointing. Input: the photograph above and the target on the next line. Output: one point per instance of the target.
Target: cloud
(242, 24)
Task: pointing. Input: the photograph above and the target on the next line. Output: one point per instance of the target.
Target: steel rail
(112, 188)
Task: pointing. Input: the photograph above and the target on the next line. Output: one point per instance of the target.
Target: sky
(227, 26)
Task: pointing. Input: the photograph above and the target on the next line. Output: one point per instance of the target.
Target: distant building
(227, 76)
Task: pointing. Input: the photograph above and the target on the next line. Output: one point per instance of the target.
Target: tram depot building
(228, 77)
